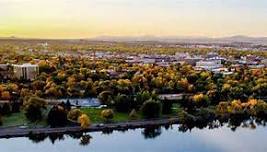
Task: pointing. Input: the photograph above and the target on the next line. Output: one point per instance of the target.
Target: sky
(92, 18)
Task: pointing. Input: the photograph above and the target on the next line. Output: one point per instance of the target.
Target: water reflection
(218, 135)
(152, 132)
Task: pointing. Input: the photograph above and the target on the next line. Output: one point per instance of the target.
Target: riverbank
(22, 132)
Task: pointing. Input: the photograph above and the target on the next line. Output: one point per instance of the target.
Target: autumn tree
(5, 95)
(84, 120)
(74, 114)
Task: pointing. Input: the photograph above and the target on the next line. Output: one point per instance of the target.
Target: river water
(158, 139)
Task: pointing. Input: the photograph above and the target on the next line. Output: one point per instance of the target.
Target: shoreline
(13, 132)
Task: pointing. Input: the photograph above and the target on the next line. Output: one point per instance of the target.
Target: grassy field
(18, 119)
(95, 115)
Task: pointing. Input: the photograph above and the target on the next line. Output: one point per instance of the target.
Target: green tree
(105, 97)
(34, 107)
(151, 109)
(123, 103)
(57, 116)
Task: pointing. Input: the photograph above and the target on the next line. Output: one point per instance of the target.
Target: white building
(209, 64)
(26, 71)
(148, 60)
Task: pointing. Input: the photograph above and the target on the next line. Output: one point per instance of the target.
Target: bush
(33, 107)
(107, 114)
(57, 117)
(151, 109)
(74, 114)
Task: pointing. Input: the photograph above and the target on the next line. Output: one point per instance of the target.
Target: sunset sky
(90, 18)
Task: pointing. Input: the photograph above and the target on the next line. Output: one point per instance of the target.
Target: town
(122, 85)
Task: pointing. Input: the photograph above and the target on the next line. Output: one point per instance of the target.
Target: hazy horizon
(89, 19)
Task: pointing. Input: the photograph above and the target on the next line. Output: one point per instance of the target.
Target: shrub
(151, 109)
(84, 120)
(107, 114)
(74, 114)
(33, 107)
(57, 116)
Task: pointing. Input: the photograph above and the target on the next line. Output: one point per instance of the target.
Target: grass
(14, 119)
(19, 119)
(95, 115)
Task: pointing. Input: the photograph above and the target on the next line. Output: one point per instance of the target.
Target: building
(209, 64)
(26, 71)
(264, 62)
(170, 96)
(193, 60)
(5, 71)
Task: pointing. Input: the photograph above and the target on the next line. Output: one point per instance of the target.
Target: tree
(123, 103)
(5, 95)
(105, 97)
(133, 115)
(201, 100)
(74, 114)
(1, 120)
(107, 114)
(6, 109)
(84, 120)
(141, 97)
(33, 108)
(151, 108)
(167, 107)
(57, 116)
(15, 106)
(68, 105)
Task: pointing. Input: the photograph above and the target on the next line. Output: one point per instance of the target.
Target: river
(158, 139)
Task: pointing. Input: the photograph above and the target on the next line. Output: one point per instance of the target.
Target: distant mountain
(171, 39)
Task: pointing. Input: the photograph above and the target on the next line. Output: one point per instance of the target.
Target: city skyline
(87, 19)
